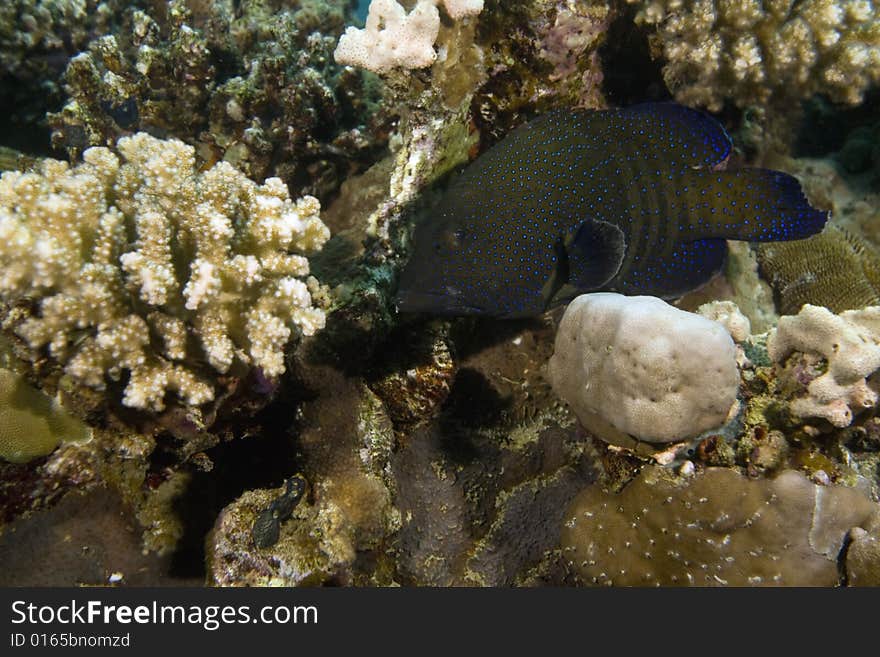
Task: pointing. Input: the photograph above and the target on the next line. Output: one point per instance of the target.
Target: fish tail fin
(752, 204)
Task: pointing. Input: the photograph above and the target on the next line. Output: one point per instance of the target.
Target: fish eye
(450, 239)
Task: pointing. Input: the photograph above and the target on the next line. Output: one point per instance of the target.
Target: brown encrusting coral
(716, 528)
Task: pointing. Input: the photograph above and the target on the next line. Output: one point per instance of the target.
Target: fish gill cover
(628, 200)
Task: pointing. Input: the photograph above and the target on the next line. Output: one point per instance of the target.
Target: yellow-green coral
(750, 51)
(142, 264)
(31, 423)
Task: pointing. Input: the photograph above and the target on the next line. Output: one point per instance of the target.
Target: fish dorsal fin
(587, 259)
(687, 138)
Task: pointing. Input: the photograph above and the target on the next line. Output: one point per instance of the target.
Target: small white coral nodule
(144, 265)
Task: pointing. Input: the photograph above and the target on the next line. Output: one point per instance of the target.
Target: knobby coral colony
(122, 262)
(394, 38)
(627, 200)
(756, 52)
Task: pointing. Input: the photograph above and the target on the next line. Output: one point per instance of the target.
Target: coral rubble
(143, 265)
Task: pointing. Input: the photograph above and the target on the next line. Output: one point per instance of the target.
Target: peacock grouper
(629, 200)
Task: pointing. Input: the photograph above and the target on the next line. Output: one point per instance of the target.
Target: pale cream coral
(142, 265)
(642, 367)
(729, 316)
(849, 342)
(749, 51)
(394, 38)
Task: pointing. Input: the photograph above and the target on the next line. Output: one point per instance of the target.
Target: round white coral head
(643, 367)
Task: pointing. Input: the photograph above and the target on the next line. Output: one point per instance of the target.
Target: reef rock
(337, 532)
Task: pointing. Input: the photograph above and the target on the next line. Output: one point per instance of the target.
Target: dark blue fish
(625, 200)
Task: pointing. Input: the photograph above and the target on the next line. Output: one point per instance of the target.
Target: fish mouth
(435, 303)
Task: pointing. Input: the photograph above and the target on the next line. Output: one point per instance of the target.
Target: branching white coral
(849, 343)
(142, 265)
(393, 38)
(750, 51)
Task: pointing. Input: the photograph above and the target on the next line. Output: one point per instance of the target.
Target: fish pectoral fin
(585, 261)
(594, 254)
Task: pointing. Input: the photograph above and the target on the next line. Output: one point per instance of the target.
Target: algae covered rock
(336, 532)
(717, 528)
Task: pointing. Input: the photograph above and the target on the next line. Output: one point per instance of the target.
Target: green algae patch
(32, 424)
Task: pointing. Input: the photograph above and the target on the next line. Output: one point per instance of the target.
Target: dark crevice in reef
(472, 335)
(825, 126)
(843, 578)
(246, 463)
(473, 403)
(631, 75)
(24, 127)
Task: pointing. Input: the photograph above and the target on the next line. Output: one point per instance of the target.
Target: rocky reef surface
(203, 376)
